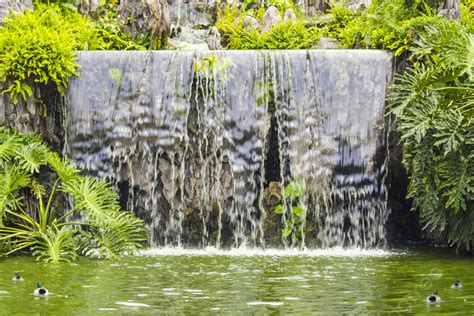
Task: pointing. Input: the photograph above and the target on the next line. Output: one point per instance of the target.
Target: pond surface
(210, 282)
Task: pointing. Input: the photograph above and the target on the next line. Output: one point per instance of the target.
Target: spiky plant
(29, 168)
(434, 107)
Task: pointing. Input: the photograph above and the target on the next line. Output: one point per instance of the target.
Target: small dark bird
(433, 298)
(40, 290)
(457, 284)
(17, 277)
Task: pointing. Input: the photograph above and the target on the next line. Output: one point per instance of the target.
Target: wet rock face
(15, 5)
(272, 196)
(271, 17)
(146, 18)
(203, 159)
(403, 225)
(29, 116)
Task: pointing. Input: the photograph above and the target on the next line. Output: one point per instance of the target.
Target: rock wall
(42, 114)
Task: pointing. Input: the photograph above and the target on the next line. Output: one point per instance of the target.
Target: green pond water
(210, 282)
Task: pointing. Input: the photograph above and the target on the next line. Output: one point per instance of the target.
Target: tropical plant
(293, 211)
(55, 245)
(33, 215)
(434, 105)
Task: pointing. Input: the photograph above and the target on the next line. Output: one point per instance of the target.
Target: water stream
(201, 144)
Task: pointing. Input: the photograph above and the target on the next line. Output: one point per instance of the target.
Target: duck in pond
(17, 277)
(40, 290)
(433, 298)
(457, 284)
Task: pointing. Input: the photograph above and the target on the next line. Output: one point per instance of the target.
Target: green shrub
(37, 48)
(285, 35)
(43, 226)
(108, 35)
(388, 25)
(467, 14)
(434, 106)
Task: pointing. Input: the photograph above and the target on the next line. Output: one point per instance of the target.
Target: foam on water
(249, 252)
(132, 304)
(265, 303)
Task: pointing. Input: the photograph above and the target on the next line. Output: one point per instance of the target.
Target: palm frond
(122, 234)
(62, 166)
(434, 107)
(56, 245)
(93, 198)
(10, 145)
(49, 236)
(32, 156)
(452, 45)
(13, 178)
(410, 88)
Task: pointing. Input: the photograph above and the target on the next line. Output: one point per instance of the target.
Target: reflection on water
(229, 284)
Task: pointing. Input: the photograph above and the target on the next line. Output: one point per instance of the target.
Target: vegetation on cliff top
(37, 48)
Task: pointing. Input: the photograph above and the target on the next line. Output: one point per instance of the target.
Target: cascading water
(201, 145)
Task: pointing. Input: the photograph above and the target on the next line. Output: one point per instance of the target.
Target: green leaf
(293, 190)
(285, 232)
(279, 209)
(298, 210)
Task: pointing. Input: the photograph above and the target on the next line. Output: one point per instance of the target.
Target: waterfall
(202, 145)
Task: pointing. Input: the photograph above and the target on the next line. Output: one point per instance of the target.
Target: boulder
(250, 23)
(450, 9)
(214, 39)
(289, 16)
(87, 7)
(328, 43)
(271, 17)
